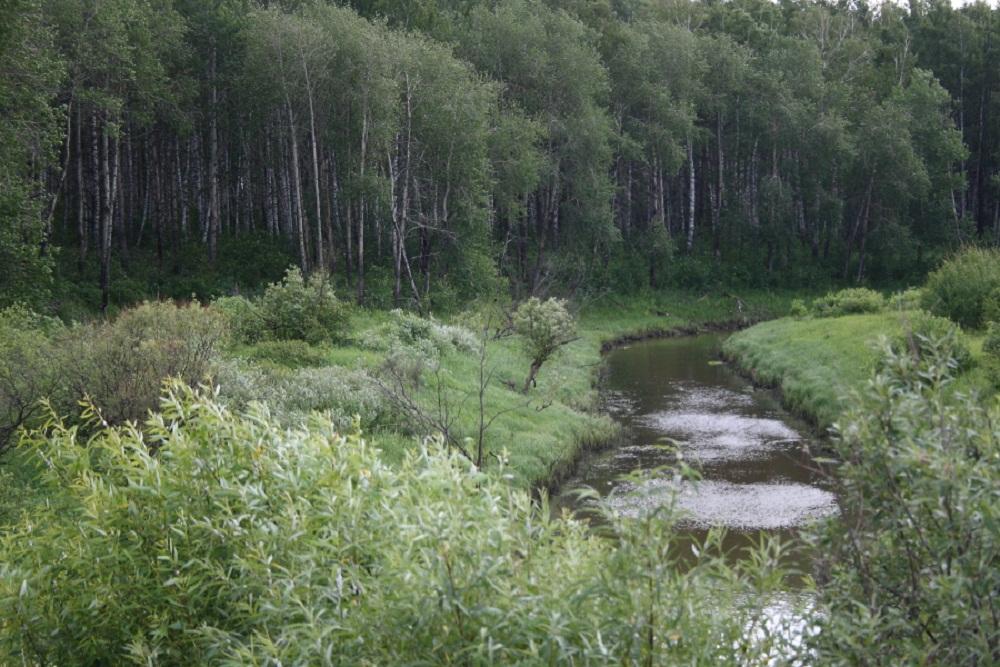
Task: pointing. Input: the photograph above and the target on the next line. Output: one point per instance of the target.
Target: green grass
(544, 433)
(818, 362)
(543, 437)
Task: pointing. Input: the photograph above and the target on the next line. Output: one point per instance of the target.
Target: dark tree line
(446, 146)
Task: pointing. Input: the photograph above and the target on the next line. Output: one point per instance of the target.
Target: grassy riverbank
(817, 363)
(545, 432)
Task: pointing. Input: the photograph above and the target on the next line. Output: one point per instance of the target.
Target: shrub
(961, 288)
(287, 353)
(244, 321)
(30, 369)
(991, 309)
(242, 542)
(121, 365)
(850, 301)
(991, 345)
(909, 299)
(341, 394)
(923, 333)
(912, 576)
(425, 335)
(300, 309)
(545, 326)
(799, 308)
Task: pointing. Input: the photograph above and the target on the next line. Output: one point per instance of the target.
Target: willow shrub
(961, 289)
(220, 538)
(120, 365)
(29, 369)
(915, 567)
(300, 308)
(851, 301)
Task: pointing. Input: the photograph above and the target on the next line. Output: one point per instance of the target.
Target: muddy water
(757, 476)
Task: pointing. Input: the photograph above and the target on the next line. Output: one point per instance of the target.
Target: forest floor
(817, 363)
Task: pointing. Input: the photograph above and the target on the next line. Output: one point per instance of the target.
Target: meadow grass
(543, 433)
(818, 363)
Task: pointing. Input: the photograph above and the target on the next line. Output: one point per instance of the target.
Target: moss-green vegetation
(242, 542)
(815, 362)
(818, 363)
(818, 359)
(913, 576)
(542, 432)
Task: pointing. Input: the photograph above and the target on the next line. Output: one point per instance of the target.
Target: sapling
(545, 327)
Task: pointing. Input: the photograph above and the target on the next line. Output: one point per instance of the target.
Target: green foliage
(909, 299)
(962, 287)
(799, 308)
(851, 301)
(544, 326)
(29, 137)
(286, 354)
(231, 539)
(299, 309)
(30, 369)
(244, 322)
(404, 329)
(991, 308)
(291, 395)
(912, 574)
(991, 346)
(121, 365)
(925, 334)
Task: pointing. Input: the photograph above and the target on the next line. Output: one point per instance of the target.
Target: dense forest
(486, 332)
(429, 152)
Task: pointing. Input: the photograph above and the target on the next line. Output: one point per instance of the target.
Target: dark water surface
(757, 476)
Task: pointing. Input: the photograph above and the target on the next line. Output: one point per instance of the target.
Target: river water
(757, 475)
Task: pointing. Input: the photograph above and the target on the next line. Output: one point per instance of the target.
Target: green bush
(909, 299)
(544, 327)
(912, 576)
(962, 287)
(244, 321)
(923, 332)
(991, 309)
(991, 345)
(300, 309)
(850, 301)
(798, 308)
(31, 368)
(240, 541)
(291, 396)
(121, 365)
(286, 353)
(425, 335)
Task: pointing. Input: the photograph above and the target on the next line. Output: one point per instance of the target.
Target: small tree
(545, 326)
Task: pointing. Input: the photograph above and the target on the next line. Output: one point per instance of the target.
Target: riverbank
(544, 434)
(817, 363)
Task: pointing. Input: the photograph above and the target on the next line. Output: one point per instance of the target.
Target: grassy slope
(817, 363)
(543, 443)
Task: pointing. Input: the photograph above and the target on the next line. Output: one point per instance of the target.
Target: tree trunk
(361, 211)
(691, 195)
(315, 163)
(530, 382)
(214, 208)
(300, 231)
(81, 197)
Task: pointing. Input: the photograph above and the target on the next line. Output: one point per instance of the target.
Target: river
(757, 474)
